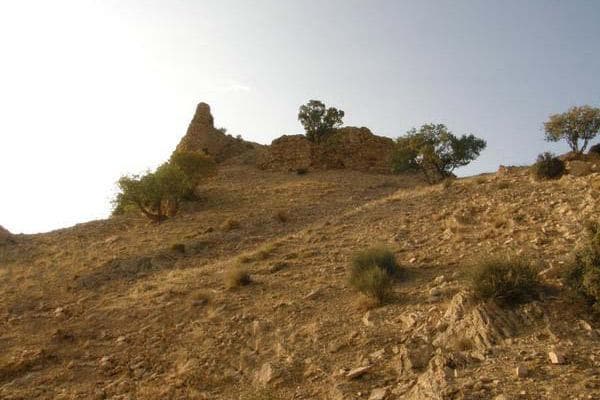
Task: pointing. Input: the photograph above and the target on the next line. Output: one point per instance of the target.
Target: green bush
(156, 194)
(372, 272)
(507, 280)
(595, 149)
(373, 282)
(548, 166)
(378, 256)
(583, 275)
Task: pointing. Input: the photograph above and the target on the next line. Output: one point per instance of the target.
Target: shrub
(236, 277)
(435, 151)
(548, 166)
(372, 281)
(507, 280)
(372, 272)
(301, 171)
(595, 149)
(379, 256)
(157, 194)
(583, 275)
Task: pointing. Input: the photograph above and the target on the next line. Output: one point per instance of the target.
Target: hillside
(126, 309)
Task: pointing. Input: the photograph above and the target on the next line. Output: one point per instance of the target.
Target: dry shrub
(503, 185)
(583, 274)
(379, 256)
(372, 282)
(507, 280)
(236, 277)
(448, 182)
(548, 166)
(281, 216)
(372, 272)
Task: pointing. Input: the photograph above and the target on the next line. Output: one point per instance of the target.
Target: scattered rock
(522, 371)
(585, 325)
(556, 357)
(378, 394)
(366, 319)
(314, 294)
(357, 372)
(266, 374)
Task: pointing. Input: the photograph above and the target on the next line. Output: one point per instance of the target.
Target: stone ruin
(351, 148)
(202, 136)
(345, 148)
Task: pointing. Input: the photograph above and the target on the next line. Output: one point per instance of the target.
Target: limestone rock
(202, 136)
(556, 357)
(5, 235)
(357, 372)
(267, 374)
(521, 371)
(434, 382)
(378, 394)
(413, 356)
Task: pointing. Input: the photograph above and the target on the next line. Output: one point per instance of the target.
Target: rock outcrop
(4, 234)
(349, 147)
(203, 136)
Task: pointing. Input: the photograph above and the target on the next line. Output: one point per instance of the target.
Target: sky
(92, 90)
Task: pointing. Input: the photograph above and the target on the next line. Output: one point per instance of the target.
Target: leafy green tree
(318, 120)
(577, 124)
(435, 151)
(156, 194)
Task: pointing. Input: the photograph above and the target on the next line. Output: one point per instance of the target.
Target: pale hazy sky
(90, 90)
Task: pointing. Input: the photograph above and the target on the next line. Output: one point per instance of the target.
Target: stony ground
(124, 309)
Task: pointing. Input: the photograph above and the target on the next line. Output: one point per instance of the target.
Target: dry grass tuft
(281, 216)
(230, 225)
(236, 276)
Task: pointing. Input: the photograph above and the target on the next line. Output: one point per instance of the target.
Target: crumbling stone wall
(349, 147)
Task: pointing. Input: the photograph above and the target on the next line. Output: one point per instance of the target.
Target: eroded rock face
(202, 136)
(347, 148)
(4, 234)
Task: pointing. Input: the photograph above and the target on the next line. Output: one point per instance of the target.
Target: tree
(318, 120)
(578, 123)
(156, 194)
(435, 151)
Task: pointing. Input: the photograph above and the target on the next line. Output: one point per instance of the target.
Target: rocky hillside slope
(124, 309)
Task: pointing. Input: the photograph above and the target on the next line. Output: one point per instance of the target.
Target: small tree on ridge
(318, 120)
(578, 123)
